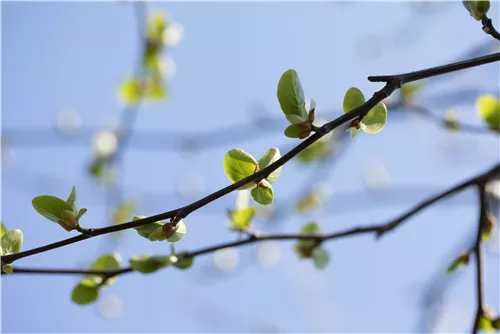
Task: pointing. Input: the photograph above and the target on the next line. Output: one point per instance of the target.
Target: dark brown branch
(483, 204)
(489, 28)
(377, 229)
(392, 83)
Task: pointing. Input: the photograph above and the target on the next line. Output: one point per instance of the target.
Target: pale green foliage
(12, 242)
(65, 213)
(183, 263)
(461, 261)
(147, 264)
(375, 119)
(159, 231)
(87, 290)
(241, 219)
(239, 164)
(488, 108)
(477, 9)
(320, 257)
(4, 230)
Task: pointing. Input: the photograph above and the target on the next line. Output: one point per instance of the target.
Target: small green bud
(7, 268)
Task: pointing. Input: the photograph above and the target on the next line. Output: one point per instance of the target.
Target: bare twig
(489, 28)
(377, 229)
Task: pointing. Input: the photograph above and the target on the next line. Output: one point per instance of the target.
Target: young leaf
(7, 268)
(147, 264)
(12, 242)
(72, 199)
(50, 207)
(293, 131)
(408, 91)
(80, 213)
(461, 261)
(179, 232)
(320, 257)
(353, 98)
(488, 107)
(375, 120)
(183, 263)
(241, 218)
(146, 230)
(238, 164)
(130, 91)
(291, 97)
(105, 262)
(270, 157)
(263, 193)
(486, 324)
(310, 228)
(451, 119)
(477, 9)
(85, 293)
(4, 230)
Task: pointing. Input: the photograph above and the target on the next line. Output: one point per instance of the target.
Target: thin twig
(377, 229)
(478, 255)
(392, 83)
(489, 28)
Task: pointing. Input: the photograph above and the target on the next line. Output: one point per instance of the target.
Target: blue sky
(57, 56)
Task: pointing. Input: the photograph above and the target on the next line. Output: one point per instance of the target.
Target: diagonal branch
(489, 28)
(377, 229)
(392, 83)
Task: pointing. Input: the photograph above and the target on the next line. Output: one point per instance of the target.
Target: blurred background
(62, 68)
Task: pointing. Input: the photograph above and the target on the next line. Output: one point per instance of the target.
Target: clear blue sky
(73, 55)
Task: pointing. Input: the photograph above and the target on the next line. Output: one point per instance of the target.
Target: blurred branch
(479, 255)
(377, 229)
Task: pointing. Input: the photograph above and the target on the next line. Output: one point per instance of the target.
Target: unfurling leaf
(238, 165)
(461, 261)
(486, 322)
(293, 131)
(353, 98)
(85, 293)
(50, 207)
(179, 231)
(477, 9)
(241, 218)
(72, 199)
(12, 242)
(147, 264)
(320, 257)
(271, 156)
(263, 193)
(291, 97)
(183, 263)
(488, 107)
(105, 262)
(375, 120)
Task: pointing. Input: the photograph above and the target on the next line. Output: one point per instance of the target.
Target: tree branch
(392, 83)
(377, 229)
(489, 28)
(478, 255)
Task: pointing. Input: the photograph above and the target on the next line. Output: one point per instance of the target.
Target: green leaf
(488, 107)
(4, 230)
(180, 232)
(85, 293)
(155, 27)
(477, 9)
(263, 193)
(146, 230)
(80, 213)
(353, 98)
(408, 91)
(461, 261)
(293, 131)
(105, 262)
(183, 263)
(72, 199)
(291, 97)
(486, 324)
(309, 228)
(8, 268)
(375, 120)
(320, 257)
(123, 212)
(12, 242)
(130, 91)
(147, 264)
(50, 207)
(241, 219)
(272, 155)
(238, 164)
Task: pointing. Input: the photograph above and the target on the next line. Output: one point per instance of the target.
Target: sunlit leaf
(106, 262)
(241, 218)
(50, 207)
(72, 199)
(183, 263)
(375, 120)
(179, 232)
(263, 193)
(12, 242)
(147, 264)
(238, 164)
(4, 230)
(272, 155)
(130, 91)
(353, 98)
(488, 107)
(85, 293)
(477, 9)
(291, 97)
